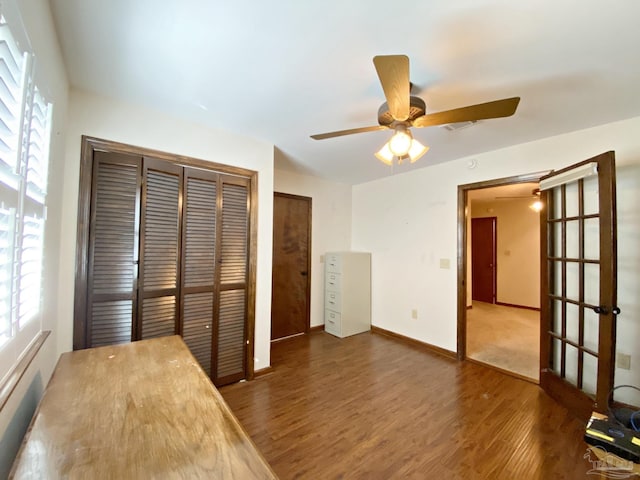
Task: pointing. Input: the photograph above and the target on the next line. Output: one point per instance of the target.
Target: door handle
(602, 310)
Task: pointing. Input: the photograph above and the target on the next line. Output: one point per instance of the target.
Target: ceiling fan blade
(481, 111)
(507, 197)
(340, 133)
(393, 72)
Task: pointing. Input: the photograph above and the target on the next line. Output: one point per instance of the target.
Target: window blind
(25, 119)
(13, 64)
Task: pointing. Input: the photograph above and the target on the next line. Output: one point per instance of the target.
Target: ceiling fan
(535, 193)
(402, 111)
(537, 204)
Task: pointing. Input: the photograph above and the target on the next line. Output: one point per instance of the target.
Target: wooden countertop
(140, 410)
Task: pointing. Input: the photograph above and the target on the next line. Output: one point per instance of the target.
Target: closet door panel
(159, 316)
(197, 318)
(111, 322)
(159, 249)
(200, 230)
(235, 205)
(113, 252)
(231, 336)
(199, 263)
(231, 321)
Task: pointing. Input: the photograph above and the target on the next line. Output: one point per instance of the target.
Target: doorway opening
(499, 299)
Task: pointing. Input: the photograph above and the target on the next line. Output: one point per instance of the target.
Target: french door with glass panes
(578, 275)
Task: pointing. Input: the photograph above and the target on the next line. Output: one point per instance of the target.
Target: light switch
(623, 361)
(444, 263)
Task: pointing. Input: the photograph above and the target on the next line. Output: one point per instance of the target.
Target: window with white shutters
(25, 118)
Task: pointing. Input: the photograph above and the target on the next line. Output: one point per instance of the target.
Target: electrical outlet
(623, 361)
(414, 313)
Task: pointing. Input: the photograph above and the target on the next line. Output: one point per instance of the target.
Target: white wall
(517, 249)
(409, 223)
(330, 225)
(112, 120)
(16, 414)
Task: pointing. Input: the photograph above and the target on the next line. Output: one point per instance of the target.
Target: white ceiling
(282, 70)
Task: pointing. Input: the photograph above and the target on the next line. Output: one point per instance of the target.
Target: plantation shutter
(13, 63)
(231, 335)
(199, 263)
(159, 249)
(38, 152)
(13, 77)
(7, 227)
(112, 269)
(35, 157)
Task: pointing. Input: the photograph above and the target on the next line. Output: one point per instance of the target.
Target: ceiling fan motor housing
(417, 108)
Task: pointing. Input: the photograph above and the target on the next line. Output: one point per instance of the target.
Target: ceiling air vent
(459, 125)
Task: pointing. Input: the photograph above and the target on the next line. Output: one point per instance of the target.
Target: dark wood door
(111, 252)
(159, 277)
(483, 259)
(198, 286)
(290, 297)
(231, 331)
(167, 252)
(578, 291)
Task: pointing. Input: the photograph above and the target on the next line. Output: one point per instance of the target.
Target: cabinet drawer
(332, 281)
(332, 322)
(332, 301)
(334, 262)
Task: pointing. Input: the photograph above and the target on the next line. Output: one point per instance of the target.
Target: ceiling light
(398, 147)
(385, 155)
(400, 143)
(416, 150)
(536, 206)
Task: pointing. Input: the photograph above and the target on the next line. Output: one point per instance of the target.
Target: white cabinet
(347, 293)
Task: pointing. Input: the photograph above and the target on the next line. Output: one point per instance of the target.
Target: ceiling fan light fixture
(416, 150)
(385, 155)
(400, 143)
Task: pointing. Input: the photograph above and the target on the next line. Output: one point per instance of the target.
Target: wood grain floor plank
(369, 407)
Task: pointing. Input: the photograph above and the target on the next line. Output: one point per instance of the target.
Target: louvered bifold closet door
(159, 281)
(113, 252)
(232, 309)
(199, 263)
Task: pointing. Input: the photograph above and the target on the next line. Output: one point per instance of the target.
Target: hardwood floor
(374, 407)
